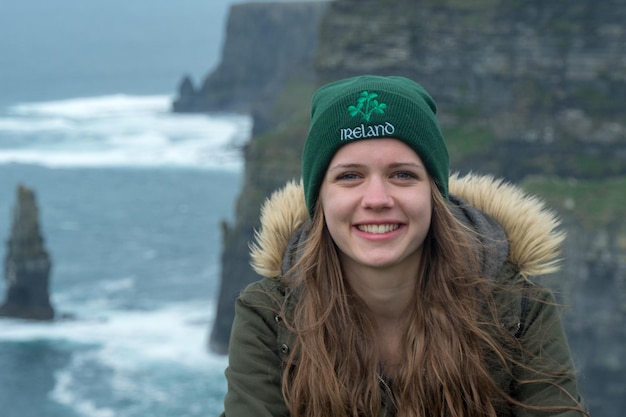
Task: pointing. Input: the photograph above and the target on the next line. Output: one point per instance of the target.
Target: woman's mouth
(378, 228)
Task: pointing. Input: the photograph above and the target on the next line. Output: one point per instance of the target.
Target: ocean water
(73, 48)
(131, 198)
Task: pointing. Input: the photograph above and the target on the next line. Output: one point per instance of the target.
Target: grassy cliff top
(592, 203)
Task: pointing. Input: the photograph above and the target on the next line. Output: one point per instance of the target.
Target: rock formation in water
(531, 91)
(27, 264)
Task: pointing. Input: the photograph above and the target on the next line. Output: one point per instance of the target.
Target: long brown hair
(451, 347)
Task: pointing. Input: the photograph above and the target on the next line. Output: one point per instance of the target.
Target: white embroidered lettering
(367, 132)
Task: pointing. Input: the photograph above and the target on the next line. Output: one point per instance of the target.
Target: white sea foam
(86, 108)
(65, 394)
(175, 333)
(132, 357)
(116, 285)
(120, 130)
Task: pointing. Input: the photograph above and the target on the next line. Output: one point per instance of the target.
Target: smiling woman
(376, 199)
(392, 289)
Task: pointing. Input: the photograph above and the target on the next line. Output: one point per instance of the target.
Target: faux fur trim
(281, 215)
(532, 229)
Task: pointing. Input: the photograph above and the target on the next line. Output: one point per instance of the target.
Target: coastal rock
(267, 71)
(592, 285)
(27, 264)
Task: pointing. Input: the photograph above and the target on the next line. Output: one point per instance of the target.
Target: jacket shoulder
(268, 293)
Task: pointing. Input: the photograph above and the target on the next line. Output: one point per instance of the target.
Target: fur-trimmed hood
(529, 232)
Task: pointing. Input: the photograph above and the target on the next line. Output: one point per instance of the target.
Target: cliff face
(266, 45)
(269, 50)
(593, 284)
(527, 90)
(550, 75)
(27, 264)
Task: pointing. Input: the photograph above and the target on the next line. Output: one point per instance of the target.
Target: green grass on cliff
(280, 150)
(274, 158)
(464, 140)
(592, 203)
(466, 131)
(470, 5)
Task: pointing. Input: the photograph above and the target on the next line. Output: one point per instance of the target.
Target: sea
(130, 198)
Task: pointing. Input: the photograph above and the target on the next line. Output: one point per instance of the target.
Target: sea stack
(27, 264)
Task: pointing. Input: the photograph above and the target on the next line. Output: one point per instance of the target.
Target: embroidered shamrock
(367, 105)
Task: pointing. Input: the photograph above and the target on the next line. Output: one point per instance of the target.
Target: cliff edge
(266, 45)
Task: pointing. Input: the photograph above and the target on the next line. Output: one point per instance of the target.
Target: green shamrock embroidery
(367, 105)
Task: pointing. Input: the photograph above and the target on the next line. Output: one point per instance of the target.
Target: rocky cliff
(593, 285)
(27, 264)
(266, 45)
(269, 51)
(548, 75)
(528, 90)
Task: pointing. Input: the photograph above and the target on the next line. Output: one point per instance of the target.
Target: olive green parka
(520, 239)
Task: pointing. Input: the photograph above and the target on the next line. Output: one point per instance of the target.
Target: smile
(378, 228)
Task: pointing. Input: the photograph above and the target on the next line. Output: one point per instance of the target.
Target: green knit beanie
(369, 107)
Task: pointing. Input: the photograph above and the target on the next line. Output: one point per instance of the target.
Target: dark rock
(234, 263)
(188, 98)
(269, 54)
(527, 66)
(27, 264)
(267, 165)
(592, 284)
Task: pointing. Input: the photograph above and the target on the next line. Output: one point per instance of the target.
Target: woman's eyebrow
(394, 165)
(346, 166)
(408, 165)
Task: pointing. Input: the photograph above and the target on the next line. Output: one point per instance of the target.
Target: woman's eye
(405, 175)
(347, 176)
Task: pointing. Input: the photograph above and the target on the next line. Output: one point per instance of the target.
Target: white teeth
(378, 228)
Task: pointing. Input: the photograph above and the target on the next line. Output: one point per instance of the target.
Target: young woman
(391, 289)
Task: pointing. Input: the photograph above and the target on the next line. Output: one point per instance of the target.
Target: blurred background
(130, 200)
(151, 132)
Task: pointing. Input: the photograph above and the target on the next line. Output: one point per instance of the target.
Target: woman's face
(377, 202)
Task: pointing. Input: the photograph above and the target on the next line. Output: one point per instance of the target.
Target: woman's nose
(376, 194)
